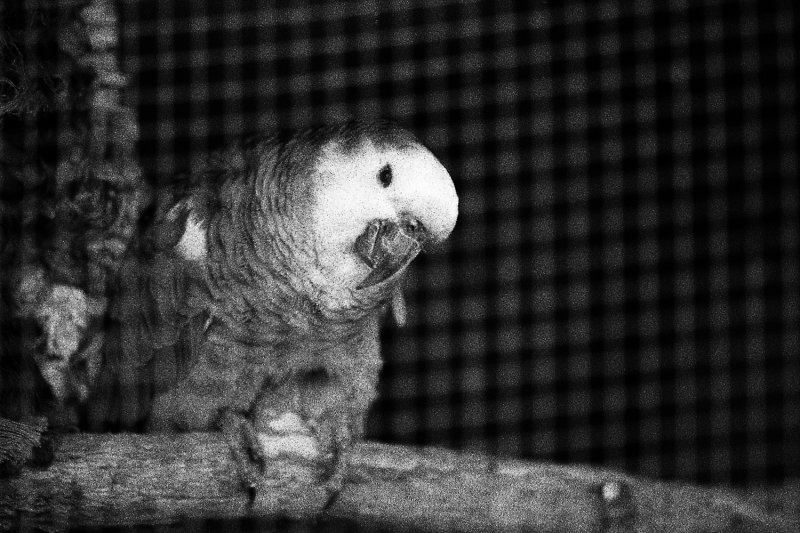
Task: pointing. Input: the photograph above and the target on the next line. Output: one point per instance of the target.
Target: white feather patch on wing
(192, 245)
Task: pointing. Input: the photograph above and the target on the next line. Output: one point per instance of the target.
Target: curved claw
(246, 449)
(332, 499)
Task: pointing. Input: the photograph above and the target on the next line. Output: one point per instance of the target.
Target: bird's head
(376, 197)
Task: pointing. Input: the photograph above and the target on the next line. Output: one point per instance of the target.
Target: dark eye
(385, 175)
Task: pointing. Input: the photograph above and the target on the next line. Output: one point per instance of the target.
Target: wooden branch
(126, 479)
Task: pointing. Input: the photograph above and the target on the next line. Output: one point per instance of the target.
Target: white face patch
(423, 189)
(192, 245)
(349, 195)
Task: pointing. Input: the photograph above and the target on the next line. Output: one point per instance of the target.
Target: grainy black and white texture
(623, 285)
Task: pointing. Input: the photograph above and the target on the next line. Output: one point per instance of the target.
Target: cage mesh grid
(622, 286)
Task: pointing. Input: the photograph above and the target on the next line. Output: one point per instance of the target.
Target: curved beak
(388, 246)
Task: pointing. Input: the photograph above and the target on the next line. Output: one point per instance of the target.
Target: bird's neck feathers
(271, 284)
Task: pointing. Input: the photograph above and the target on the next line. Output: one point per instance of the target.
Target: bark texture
(125, 479)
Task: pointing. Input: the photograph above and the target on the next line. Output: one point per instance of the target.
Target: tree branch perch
(125, 479)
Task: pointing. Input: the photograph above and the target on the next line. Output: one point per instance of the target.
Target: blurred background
(622, 285)
(622, 288)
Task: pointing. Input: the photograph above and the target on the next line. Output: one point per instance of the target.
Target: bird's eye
(385, 175)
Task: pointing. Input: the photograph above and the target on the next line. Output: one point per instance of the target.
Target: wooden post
(127, 479)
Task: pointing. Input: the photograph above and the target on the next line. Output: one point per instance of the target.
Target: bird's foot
(335, 436)
(288, 435)
(246, 449)
(302, 461)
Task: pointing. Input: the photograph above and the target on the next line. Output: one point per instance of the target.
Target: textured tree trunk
(125, 479)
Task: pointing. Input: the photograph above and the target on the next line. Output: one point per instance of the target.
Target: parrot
(254, 301)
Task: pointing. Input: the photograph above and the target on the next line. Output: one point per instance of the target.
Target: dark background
(622, 285)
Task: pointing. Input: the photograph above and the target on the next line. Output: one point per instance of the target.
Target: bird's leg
(279, 425)
(217, 392)
(334, 403)
(334, 432)
(245, 447)
(291, 450)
